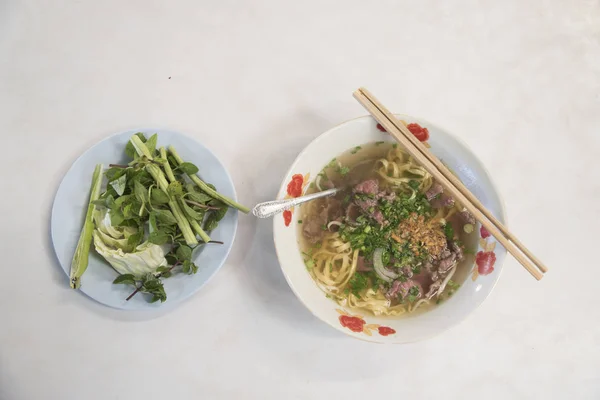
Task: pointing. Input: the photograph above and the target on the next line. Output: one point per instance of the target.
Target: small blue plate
(68, 212)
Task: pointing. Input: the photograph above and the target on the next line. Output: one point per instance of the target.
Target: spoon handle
(270, 208)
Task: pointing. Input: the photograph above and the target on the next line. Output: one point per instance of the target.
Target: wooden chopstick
(450, 183)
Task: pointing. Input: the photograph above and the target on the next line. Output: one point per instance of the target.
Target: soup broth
(391, 242)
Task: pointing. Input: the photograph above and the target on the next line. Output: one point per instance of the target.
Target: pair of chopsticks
(450, 183)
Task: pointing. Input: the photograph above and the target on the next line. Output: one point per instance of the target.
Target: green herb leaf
(188, 168)
(212, 221)
(125, 279)
(119, 184)
(140, 192)
(343, 170)
(152, 221)
(158, 237)
(114, 173)
(152, 285)
(130, 150)
(151, 143)
(183, 253)
(449, 231)
(116, 217)
(175, 189)
(190, 212)
(358, 283)
(159, 196)
(165, 217)
(189, 267)
(120, 201)
(127, 213)
(198, 197)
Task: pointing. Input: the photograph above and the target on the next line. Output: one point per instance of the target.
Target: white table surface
(255, 81)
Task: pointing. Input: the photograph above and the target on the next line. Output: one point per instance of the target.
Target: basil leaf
(114, 173)
(119, 184)
(116, 217)
(199, 197)
(212, 221)
(134, 240)
(152, 221)
(125, 279)
(183, 253)
(127, 213)
(188, 168)
(165, 217)
(190, 212)
(159, 196)
(151, 143)
(140, 191)
(158, 237)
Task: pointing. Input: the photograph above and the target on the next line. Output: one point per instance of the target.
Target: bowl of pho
(389, 258)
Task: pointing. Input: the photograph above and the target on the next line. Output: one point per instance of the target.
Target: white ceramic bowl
(363, 325)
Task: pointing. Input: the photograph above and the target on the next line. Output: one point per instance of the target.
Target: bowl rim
(501, 217)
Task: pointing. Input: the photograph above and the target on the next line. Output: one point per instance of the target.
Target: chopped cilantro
(414, 184)
(395, 145)
(299, 221)
(343, 170)
(309, 264)
(448, 231)
(378, 143)
(413, 292)
(355, 150)
(358, 283)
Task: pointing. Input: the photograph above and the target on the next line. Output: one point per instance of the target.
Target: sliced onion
(380, 270)
(336, 223)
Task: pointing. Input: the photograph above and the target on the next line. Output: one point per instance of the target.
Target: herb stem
(195, 203)
(207, 188)
(159, 177)
(138, 288)
(80, 260)
(193, 223)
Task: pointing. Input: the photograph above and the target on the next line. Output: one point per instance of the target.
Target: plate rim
(170, 303)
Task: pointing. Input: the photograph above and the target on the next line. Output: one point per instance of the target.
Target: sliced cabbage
(111, 243)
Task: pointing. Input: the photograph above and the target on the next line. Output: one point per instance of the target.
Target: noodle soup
(391, 242)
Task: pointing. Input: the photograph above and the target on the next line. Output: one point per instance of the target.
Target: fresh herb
(413, 292)
(414, 184)
(148, 203)
(378, 143)
(449, 231)
(299, 221)
(343, 170)
(358, 283)
(355, 150)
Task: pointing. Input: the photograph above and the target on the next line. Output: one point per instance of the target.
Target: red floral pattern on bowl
(357, 324)
(295, 188)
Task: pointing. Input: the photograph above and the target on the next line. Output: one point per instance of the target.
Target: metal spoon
(270, 208)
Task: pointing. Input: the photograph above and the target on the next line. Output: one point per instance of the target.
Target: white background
(255, 81)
